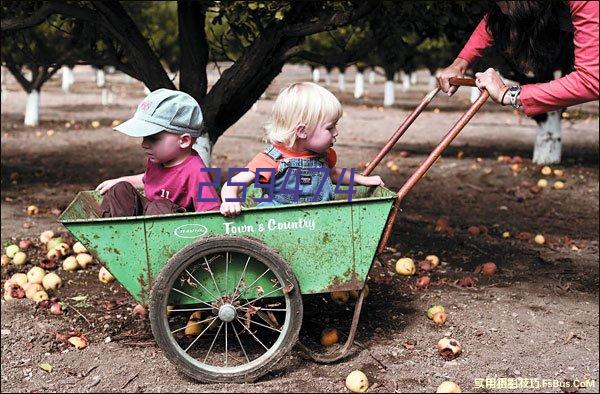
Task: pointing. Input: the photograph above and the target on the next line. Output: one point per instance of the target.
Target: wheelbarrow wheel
(226, 309)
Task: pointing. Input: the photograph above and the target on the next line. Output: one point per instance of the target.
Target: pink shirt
(179, 184)
(577, 87)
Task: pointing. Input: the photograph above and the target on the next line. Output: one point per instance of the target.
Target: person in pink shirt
(531, 35)
(169, 122)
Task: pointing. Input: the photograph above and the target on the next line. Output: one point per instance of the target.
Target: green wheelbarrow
(225, 294)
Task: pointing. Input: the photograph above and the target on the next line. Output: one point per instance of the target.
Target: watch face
(514, 89)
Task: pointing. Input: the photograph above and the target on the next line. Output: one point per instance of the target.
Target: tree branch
(192, 42)
(331, 22)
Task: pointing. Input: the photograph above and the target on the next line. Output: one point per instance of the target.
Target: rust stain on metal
(348, 281)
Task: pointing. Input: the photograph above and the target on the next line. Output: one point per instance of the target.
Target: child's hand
(104, 186)
(374, 180)
(231, 209)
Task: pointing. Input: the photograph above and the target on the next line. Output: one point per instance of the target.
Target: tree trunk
(32, 108)
(67, 78)
(342, 80)
(413, 78)
(405, 79)
(328, 78)
(359, 84)
(100, 78)
(204, 148)
(547, 149)
(474, 95)
(192, 42)
(371, 77)
(316, 75)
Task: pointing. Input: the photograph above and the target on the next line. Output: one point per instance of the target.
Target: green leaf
(46, 367)
(253, 5)
(279, 15)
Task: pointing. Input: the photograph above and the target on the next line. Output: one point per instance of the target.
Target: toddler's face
(162, 147)
(322, 138)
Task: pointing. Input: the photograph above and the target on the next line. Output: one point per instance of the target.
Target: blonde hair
(303, 102)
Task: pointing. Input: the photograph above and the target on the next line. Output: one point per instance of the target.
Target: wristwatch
(514, 92)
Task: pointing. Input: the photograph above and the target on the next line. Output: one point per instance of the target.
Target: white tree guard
(204, 148)
(100, 78)
(316, 75)
(414, 79)
(107, 96)
(405, 78)
(32, 109)
(66, 78)
(548, 146)
(475, 92)
(328, 78)
(388, 94)
(342, 81)
(371, 77)
(359, 84)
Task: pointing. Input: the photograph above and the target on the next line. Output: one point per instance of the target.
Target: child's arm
(234, 208)
(359, 179)
(135, 180)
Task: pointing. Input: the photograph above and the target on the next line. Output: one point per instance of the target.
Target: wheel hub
(227, 313)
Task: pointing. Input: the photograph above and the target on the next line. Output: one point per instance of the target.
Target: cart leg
(343, 352)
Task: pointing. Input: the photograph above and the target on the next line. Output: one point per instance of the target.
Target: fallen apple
(394, 168)
(546, 170)
(341, 297)
(474, 230)
(389, 163)
(5, 260)
(54, 254)
(95, 124)
(32, 210)
(46, 236)
(432, 310)
(64, 248)
(488, 269)
(558, 185)
(433, 260)
(542, 183)
(31, 289)
(25, 244)
(19, 259)
(515, 168)
(357, 382)
(19, 279)
(506, 234)
(449, 348)
(40, 296)
(140, 311)
(51, 281)
(405, 266)
(84, 259)
(56, 308)
(11, 250)
(539, 239)
(448, 387)
(559, 172)
(54, 242)
(79, 248)
(70, 264)
(423, 281)
(329, 337)
(425, 266)
(439, 318)
(36, 275)
(104, 276)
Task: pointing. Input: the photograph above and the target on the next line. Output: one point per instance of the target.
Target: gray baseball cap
(164, 109)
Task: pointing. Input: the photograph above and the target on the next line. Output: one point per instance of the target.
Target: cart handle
(434, 155)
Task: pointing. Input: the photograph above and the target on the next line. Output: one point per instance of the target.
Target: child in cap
(301, 134)
(169, 122)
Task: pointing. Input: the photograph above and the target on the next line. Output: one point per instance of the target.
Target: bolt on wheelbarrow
(225, 294)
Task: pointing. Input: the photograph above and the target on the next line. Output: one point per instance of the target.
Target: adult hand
(456, 69)
(490, 80)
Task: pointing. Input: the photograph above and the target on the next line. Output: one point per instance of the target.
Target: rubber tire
(161, 290)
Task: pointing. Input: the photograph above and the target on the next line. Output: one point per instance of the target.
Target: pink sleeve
(579, 86)
(480, 39)
(208, 192)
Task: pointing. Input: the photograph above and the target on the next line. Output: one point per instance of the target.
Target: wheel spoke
(192, 297)
(226, 287)
(201, 285)
(240, 342)
(199, 335)
(247, 287)
(213, 277)
(260, 308)
(213, 342)
(194, 323)
(262, 296)
(264, 325)
(226, 324)
(251, 333)
(243, 272)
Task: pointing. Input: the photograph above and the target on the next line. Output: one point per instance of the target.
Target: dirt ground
(537, 318)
